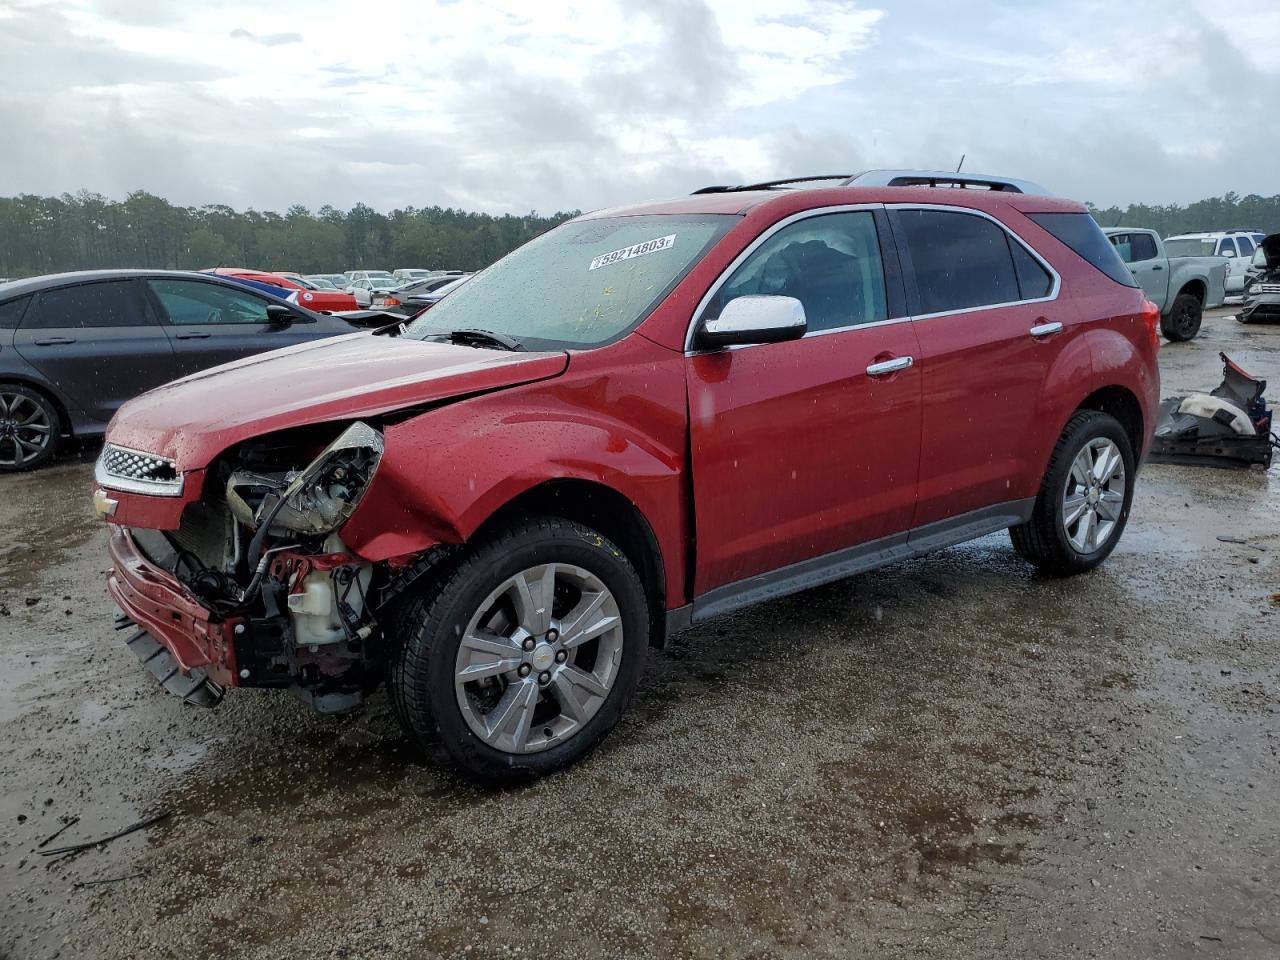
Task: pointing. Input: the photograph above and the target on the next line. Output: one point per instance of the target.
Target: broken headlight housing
(317, 499)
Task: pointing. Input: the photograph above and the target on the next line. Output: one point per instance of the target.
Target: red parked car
(646, 417)
(307, 294)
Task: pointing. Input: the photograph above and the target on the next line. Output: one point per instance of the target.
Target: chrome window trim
(1054, 290)
(751, 248)
(155, 488)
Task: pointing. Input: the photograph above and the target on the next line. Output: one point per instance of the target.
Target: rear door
(990, 327)
(212, 323)
(1138, 251)
(100, 342)
(800, 450)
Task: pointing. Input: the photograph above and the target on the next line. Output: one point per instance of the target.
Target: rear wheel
(30, 428)
(521, 658)
(1183, 321)
(1084, 499)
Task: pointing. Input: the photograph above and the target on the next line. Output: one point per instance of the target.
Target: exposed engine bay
(262, 547)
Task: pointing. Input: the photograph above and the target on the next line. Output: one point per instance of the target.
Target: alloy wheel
(1094, 495)
(25, 429)
(538, 658)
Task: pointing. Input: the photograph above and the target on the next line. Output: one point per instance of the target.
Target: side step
(197, 688)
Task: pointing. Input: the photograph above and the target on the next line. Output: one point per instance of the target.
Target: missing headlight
(319, 498)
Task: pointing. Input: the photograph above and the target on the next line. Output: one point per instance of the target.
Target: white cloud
(506, 106)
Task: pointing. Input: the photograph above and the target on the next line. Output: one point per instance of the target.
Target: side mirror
(754, 319)
(279, 314)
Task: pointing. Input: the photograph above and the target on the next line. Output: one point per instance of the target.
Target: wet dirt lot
(949, 758)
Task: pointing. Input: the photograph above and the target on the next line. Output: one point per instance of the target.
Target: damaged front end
(255, 587)
(1262, 286)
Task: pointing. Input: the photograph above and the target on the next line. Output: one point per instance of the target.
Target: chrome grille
(120, 468)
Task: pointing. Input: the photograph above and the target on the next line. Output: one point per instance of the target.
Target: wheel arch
(1196, 287)
(612, 514)
(1119, 402)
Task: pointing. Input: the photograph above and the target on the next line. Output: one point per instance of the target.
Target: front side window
(1123, 242)
(960, 260)
(189, 302)
(112, 304)
(583, 284)
(830, 263)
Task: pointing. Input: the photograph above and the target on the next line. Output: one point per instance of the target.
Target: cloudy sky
(513, 105)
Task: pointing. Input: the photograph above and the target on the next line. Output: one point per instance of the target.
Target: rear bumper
(168, 611)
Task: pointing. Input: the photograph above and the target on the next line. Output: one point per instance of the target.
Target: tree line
(87, 230)
(1215, 213)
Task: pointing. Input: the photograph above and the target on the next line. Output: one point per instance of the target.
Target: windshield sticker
(635, 250)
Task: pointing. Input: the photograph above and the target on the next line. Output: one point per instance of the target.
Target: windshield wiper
(475, 337)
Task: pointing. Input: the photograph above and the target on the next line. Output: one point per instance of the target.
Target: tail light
(1151, 314)
(391, 302)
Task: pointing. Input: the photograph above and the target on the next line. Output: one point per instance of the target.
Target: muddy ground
(949, 758)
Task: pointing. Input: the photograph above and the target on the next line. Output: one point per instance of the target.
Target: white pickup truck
(1182, 287)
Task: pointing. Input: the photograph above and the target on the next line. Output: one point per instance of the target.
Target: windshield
(1190, 247)
(582, 284)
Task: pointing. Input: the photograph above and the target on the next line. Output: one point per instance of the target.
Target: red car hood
(194, 419)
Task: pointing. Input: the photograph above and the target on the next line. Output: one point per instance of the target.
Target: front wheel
(1084, 499)
(30, 428)
(522, 657)
(1183, 321)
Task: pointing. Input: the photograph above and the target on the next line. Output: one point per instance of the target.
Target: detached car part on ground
(1262, 295)
(491, 509)
(1230, 426)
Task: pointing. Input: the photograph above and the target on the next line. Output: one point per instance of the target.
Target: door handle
(1045, 329)
(193, 335)
(1157, 267)
(889, 366)
(53, 341)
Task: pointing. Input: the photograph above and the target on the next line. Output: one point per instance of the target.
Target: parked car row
(75, 346)
(1183, 287)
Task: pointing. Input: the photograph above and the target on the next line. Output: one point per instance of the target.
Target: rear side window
(960, 260)
(1034, 281)
(11, 312)
(90, 305)
(1226, 248)
(1081, 233)
(1246, 246)
(1144, 247)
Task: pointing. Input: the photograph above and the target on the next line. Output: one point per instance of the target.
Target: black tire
(1043, 540)
(19, 403)
(430, 627)
(1183, 320)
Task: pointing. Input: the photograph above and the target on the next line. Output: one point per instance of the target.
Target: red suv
(646, 417)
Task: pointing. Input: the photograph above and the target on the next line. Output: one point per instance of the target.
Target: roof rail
(900, 178)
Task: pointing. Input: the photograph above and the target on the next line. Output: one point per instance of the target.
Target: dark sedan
(75, 346)
(411, 299)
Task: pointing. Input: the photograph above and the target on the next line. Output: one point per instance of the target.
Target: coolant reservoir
(314, 609)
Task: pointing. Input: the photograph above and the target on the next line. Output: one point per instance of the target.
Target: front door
(1138, 251)
(99, 342)
(213, 323)
(798, 448)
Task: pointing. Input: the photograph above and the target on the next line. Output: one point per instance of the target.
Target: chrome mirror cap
(754, 319)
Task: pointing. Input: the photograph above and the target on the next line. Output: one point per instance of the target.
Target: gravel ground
(951, 758)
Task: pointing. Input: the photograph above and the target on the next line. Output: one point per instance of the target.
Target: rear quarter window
(1081, 233)
(11, 312)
